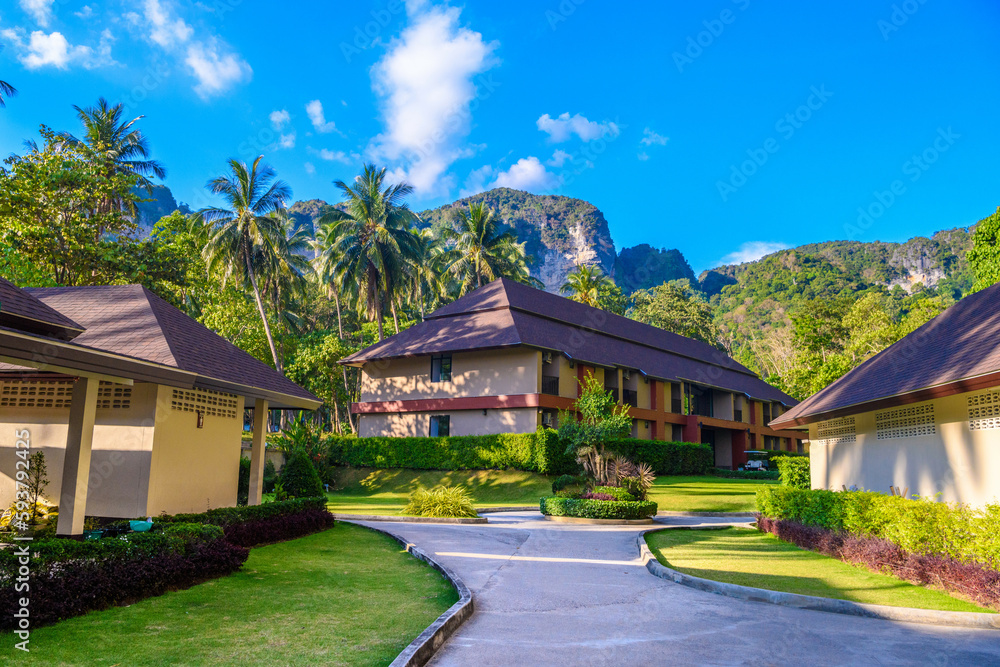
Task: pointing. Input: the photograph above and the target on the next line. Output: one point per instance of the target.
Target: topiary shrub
(299, 478)
(597, 509)
(441, 501)
(793, 471)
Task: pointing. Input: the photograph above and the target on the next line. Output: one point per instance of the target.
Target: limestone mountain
(159, 203)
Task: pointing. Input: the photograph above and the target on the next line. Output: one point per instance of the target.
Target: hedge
(597, 509)
(973, 581)
(541, 452)
(794, 471)
(924, 527)
(667, 458)
(251, 526)
(745, 474)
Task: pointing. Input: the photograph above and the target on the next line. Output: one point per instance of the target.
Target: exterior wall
(487, 373)
(722, 404)
(193, 469)
(723, 448)
(463, 422)
(567, 376)
(955, 461)
(120, 456)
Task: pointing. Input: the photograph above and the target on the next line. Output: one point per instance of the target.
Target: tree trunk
(263, 315)
(350, 421)
(340, 325)
(395, 318)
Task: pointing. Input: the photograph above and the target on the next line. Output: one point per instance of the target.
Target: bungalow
(922, 416)
(137, 407)
(507, 358)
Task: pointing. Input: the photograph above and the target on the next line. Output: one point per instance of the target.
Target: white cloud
(565, 126)
(334, 156)
(643, 156)
(752, 250)
(425, 85)
(279, 119)
(287, 140)
(310, 168)
(166, 30)
(54, 50)
(526, 174)
(558, 158)
(85, 12)
(650, 138)
(215, 68)
(318, 118)
(40, 10)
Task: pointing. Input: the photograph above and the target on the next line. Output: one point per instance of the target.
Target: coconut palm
(585, 283)
(482, 251)
(426, 273)
(374, 246)
(6, 91)
(326, 258)
(247, 240)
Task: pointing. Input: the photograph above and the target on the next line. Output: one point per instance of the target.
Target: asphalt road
(566, 594)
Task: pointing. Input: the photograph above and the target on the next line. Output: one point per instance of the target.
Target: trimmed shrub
(616, 492)
(441, 501)
(278, 528)
(666, 458)
(597, 509)
(299, 478)
(745, 474)
(925, 527)
(270, 476)
(540, 452)
(597, 496)
(973, 581)
(793, 471)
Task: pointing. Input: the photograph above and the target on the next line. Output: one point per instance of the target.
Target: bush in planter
(441, 501)
(299, 478)
(597, 509)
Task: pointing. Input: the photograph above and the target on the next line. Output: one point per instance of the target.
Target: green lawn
(750, 558)
(705, 493)
(370, 491)
(346, 596)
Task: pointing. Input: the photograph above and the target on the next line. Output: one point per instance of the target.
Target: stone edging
(715, 514)
(964, 619)
(406, 519)
(598, 522)
(423, 648)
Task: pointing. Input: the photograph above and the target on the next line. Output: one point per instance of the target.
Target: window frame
(436, 421)
(438, 373)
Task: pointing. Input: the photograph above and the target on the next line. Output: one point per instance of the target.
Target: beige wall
(463, 422)
(489, 373)
(722, 404)
(959, 463)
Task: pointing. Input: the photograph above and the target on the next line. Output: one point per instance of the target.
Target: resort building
(507, 358)
(922, 416)
(137, 407)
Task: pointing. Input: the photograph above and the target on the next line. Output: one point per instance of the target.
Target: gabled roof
(505, 313)
(130, 321)
(957, 351)
(19, 310)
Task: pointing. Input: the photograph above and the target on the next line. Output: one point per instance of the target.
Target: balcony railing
(550, 385)
(630, 397)
(675, 406)
(614, 393)
(737, 415)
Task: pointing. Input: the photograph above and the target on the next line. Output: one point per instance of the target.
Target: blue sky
(723, 128)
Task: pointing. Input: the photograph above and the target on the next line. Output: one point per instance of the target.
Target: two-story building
(507, 358)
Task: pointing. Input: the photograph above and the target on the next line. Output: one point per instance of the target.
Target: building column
(257, 451)
(739, 448)
(692, 432)
(76, 464)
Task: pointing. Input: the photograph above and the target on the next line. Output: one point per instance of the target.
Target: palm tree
(373, 245)
(324, 247)
(6, 90)
(585, 283)
(247, 240)
(426, 270)
(106, 133)
(483, 252)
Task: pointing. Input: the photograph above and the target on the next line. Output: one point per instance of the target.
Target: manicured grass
(705, 493)
(750, 558)
(371, 491)
(346, 596)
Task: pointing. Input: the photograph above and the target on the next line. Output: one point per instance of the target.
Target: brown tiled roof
(130, 320)
(505, 313)
(958, 345)
(19, 310)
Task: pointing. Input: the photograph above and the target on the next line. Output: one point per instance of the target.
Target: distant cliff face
(160, 202)
(558, 232)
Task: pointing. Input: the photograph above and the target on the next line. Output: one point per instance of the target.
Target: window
(441, 368)
(440, 425)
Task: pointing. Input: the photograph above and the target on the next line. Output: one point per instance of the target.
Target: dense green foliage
(594, 421)
(793, 471)
(227, 516)
(643, 267)
(616, 492)
(985, 254)
(441, 501)
(665, 457)
(920, 526)
(675, 307)
(299, 478)
(597, 509)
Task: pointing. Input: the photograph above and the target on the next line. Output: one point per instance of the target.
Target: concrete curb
(406, 519)
(522, 508)
(962, 619)
(709, 514)
(598, 522)
(423, 648)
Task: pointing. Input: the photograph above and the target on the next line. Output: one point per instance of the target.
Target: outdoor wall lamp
(201, 419)
(484, 412)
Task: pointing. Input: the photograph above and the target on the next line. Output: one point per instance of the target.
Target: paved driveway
(566, 594)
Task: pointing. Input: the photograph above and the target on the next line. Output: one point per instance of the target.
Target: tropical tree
(324, 246)
(674, 307)
(426, 272)
(6, 90)
(374, 246)
(482, 251)
(247, 237)
(985, 254)
(586, 284)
